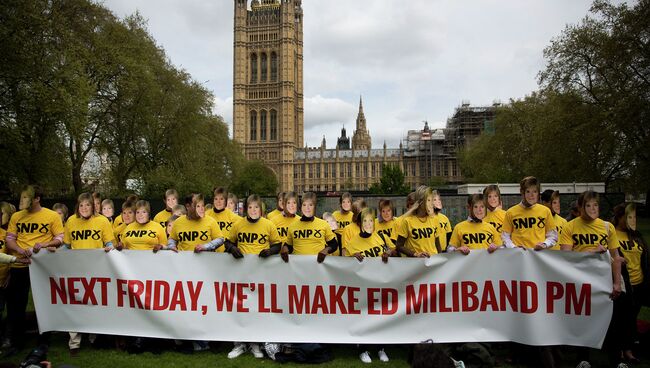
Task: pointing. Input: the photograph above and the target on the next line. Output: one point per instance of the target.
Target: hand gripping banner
(535, 298)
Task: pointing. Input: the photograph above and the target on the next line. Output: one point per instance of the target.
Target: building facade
(268, 120)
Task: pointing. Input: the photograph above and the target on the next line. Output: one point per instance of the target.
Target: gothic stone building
(268, 117)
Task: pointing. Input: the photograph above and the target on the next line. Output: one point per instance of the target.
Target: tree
(391, 182)
(255, 178)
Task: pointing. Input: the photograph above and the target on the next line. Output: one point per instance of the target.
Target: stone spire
(361, 137)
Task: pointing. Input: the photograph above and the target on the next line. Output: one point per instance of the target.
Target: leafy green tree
(255, 178)
(391, 182)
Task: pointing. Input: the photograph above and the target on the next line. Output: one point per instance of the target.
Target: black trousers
(17, 294)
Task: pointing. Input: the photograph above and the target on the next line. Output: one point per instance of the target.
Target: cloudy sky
(410, 60)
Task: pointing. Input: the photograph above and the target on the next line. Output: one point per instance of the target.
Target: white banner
(535, 298)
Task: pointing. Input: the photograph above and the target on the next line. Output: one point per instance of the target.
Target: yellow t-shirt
(92, 233)
(4, 268)
(474, 235)
(190, 233)
(342, 220)
(387, 229)
(226, 219)
(559, 226)
(119, 231)
(528, 225)
(372, 246)
(253, 237)
(444, 228)
(31, 228)
(271, 215)
(118, 221)
(349, 232)
(282, 224)
(495, 218)
(162, 217)
(309, 237)
(632, 253)
(420, 233)
(138, 236)
(587, 235)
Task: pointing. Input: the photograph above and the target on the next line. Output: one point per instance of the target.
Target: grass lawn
(344, 355)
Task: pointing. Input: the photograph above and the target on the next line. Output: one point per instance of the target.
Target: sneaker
(271, 349)
(256, 351)
(622, 365)
(382, 356)
(239, 349)
(365, 357)
(583, 364)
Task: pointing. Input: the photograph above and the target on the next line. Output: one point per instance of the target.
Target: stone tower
(361, 138)
(268, 83)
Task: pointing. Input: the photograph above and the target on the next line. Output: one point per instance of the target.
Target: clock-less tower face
(268, 83)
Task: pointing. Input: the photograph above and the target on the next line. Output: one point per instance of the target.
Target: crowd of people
(352, 230)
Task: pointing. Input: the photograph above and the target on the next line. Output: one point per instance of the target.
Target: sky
(411, 61)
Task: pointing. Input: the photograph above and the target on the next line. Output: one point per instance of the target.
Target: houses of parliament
(268, 115)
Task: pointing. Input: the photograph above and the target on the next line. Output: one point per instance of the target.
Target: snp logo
(478, 238)
(283, 231)
(86, 234)
(308, 233)
(224, 225)
(529, 222)
(252, 238)
(497, 226)
(590, 239)
(425, 233)
(140, 233)
(385, 232)
(343, 224)
(30, 227)
(444, 226)
(629, 245)
(190, 236)
(375, 251)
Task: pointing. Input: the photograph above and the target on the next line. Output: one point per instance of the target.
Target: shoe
(622, 365)
(382, 356)
(583, 364)
(239, 349)
(74, 352)
(365, 357)
(200, 345)
(256, 351)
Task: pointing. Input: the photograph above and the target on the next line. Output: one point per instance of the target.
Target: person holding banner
(418, 232)
(635, 251)
(495, 214)
(118, 219)
(29, 230)
(195, 222)
(369, 243)
(343, 215)
(386, 223)
(144, 234)
(86, 230)
(222, 214)
(588, 233)
(288, 216)
(252, 235)
(127, 218)
(353, 228)
(445, 228)
(529, 224)
(473, 233)
(310, 235)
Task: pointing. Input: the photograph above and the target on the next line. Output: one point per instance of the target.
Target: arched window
(253, 125)
(263, 67)
(253, 68)
(274, 67)
(263, 125)
(274, 125)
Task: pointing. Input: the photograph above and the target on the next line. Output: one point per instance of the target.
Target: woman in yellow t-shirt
(343, 215)
(352, 228)
(386, 223)
(126, 218)
(551, 199)
(195, 231)
(287, 216)
(143, 233)
(444, 225)
(473, 233)
(418, 232)
(495, 213)
(635, 251)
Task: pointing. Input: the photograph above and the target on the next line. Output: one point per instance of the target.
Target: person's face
(631, 220)
(128, 216)
(368, 224)
(231, 205)
(437, 202)
(219, 202)
(108, 211)
(25, 201)
(591, 210)
(171, 201)
(85, 209)
(291, 206)
(196, 210)
(493, 200)
(386, 214)
(478, 209)
(98, 205)
(332, 222)
(169, 227)
(346, 204)
(280, 203)
(531, 195)
(178, 213)
(141, 215)
(429, 203)
(307, 208)
(254, 210)
(555, 205)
